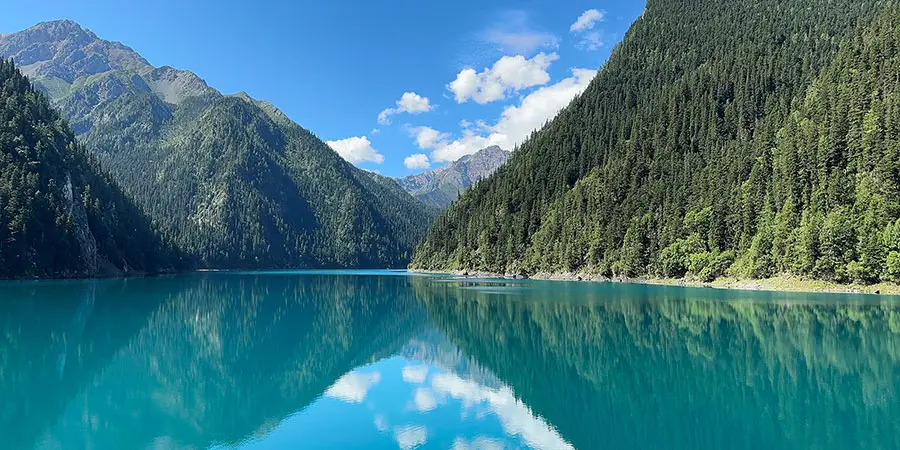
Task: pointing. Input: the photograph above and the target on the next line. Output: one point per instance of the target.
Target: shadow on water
(628, 366)
(186, 361)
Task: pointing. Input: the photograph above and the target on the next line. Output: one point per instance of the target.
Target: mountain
(721, 137)
(60, 215)
(441, 186)
(229, 179)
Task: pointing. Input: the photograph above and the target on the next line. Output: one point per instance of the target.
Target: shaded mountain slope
(229, 179)
(60, 215)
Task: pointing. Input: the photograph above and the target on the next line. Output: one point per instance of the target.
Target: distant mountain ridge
(229, 179)
(440, 187)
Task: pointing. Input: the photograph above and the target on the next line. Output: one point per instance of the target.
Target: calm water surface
(381, 360)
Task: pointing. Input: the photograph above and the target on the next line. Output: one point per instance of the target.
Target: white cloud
(409, 102)
(427, 137)
(479, 443)
(356, 150)
(353, 387)
(508, 74)
(592, 41)
(374, 131)
(416, 162)
(424, 400)
(415, 374)
(516, 122)
(410, 436)
(469, 143)
(587, 20)
(515, 417)
(413, 103)
(513, 34)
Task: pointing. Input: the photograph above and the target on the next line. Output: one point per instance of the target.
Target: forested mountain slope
(751, 138)
(441, 186)
(60, 215)
(229, 179)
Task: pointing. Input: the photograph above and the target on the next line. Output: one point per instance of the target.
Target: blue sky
(396, 87)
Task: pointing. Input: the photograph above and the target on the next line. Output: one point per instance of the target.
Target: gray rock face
(86, 239)
(174, 86)
(63, 51)
(440, 187)
(66, 60)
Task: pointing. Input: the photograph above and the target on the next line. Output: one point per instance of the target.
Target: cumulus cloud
(409, 102)
(512, 33)
(508, 74)
(416, 162)
(469, 143)
(518, 121)
(427, 137)
(587, 20)
(353, 387)
(415, 374)
(356, 150)
(515, 124)
(410, 436)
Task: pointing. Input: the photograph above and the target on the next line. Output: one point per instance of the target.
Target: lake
(389, 360)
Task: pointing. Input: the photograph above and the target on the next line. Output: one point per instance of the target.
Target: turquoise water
(386, 360)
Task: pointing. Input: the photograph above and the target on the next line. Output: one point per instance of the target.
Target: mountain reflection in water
(386, 360)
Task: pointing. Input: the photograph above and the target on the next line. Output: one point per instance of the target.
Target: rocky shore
(779, 284)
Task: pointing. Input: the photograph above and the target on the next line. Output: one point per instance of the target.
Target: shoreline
(774, 284)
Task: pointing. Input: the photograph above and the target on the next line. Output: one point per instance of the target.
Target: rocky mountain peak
(62, 51)
(59, 30)
(174, 85)
(439, 187)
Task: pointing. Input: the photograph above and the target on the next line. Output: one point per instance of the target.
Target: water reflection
(264, 361)
(646, 367)
(56, 339)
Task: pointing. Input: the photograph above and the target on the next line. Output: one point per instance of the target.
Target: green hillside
(229, 179)
(751, 138)
(60, 215)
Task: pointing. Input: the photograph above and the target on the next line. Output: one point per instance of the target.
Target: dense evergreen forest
(60, 215)
(239, 188)
(230, 180)
(721, 138)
